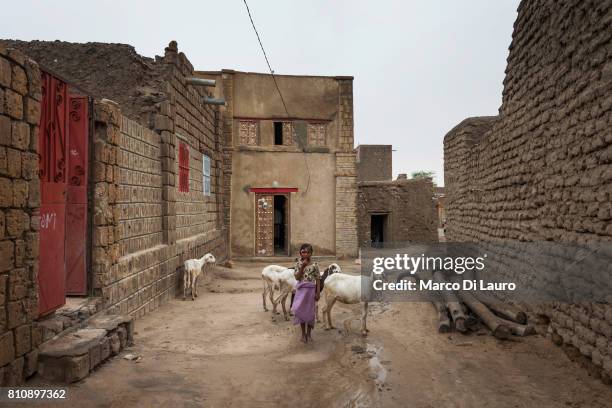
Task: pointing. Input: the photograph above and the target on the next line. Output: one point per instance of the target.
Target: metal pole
(195, 81)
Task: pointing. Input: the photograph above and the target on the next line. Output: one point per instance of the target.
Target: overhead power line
(266, 57)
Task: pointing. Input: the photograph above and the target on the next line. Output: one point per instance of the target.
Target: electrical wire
(266, 57)
(277, 87)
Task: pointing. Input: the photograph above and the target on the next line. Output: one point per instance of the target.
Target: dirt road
(223, 351)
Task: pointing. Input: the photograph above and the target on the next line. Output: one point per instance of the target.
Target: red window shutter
(183, 168)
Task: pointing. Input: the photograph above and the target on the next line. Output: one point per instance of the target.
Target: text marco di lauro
(439, 286)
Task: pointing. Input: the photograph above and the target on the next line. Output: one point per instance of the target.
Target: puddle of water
(378, 371)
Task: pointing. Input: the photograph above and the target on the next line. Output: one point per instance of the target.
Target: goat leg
(263, 295)
(364, 329)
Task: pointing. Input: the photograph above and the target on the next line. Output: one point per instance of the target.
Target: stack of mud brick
(542, 170)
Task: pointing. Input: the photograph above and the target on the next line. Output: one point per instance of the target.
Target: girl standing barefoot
(306, 292)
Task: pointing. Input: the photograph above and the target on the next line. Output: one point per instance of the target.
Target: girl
(306, 292)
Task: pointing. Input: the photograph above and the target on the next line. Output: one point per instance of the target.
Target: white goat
(287, 283)
(278, 278)
(193, 270)
(345, 289)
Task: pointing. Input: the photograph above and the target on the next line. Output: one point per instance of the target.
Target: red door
(52, 171)
(76, 206)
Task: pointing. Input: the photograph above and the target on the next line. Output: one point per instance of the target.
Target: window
(278, 133)
(247, 132)
(287, 133)
(206, 175)
(316, 134)
(183, 168)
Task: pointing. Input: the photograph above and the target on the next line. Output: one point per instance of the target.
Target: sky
(420, 67)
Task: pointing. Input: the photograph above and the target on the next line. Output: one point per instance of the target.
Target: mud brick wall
(374, 162)
(346, 175)
(19, 215)
(412, 215)
(195, 124)
(542, 171)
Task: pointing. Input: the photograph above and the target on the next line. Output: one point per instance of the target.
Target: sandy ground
(223, 350)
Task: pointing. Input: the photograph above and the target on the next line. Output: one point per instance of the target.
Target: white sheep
(287, 283)
(278, 278)
(345, 289)
(193, 270)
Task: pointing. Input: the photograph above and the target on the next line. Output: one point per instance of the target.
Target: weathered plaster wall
(410, 209)
(19, 216)
(542, 171)
(311, 212)
(312, 99)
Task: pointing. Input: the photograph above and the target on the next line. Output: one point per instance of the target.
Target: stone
(16, 222)
(20, 193)
(29, 166)
(115, 344)
(13, 104)
(13, 373)
(32, 111)
(7, 255)
(72, 344)
(95, 355)
(13, 168)
(77, 368)
(6, 193)
(17, 314)
(31, 363)
(5, 73)
(23, 339)
(20, 135)
(7, 348)
(19, 80)
(6, 131)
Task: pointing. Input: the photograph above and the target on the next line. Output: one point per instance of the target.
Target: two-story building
(290, 161)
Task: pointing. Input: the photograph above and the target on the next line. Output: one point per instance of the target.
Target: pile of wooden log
(468, 311)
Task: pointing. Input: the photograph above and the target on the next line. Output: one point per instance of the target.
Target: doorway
(378, 226)
(281, 217)
(63, 165)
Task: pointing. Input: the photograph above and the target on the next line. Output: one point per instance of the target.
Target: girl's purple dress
(303, 307)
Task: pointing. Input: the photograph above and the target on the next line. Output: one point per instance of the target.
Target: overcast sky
(420, 67)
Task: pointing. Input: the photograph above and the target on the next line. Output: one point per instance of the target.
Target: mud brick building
(541, 171)
(390, 210)
(291, 162)
(107, 198)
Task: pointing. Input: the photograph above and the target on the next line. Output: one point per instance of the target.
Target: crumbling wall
(113, 71)
(19, 215)
(410, 209)
(543, 171)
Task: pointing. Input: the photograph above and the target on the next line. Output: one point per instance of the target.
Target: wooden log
(521, 330)
(444, 325)
(471, 321)
(494, 323)
(503, 309)
(453, 304)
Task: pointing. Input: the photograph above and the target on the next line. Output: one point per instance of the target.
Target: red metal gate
(52, 171)
(76, 208)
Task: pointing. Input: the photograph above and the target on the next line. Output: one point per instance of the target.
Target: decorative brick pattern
(19, 212)
(541, 171)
